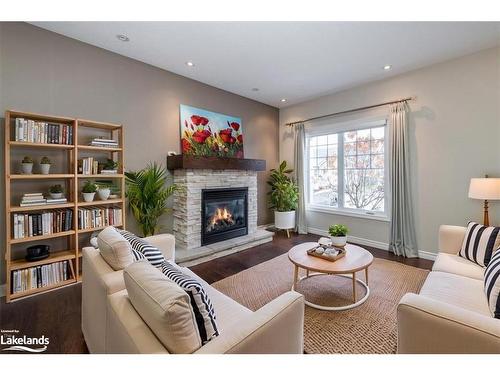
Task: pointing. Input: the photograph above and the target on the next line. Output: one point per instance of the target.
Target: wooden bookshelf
(75, 238)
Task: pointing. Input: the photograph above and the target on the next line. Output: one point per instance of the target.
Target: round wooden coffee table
(356, 259)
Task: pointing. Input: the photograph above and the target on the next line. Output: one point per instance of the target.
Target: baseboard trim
(365, 241)
(2, 290)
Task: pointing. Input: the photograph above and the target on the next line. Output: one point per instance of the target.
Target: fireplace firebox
(224, 214)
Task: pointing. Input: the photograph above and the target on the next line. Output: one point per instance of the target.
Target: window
(347, 170)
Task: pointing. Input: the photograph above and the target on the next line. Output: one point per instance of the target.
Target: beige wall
(455, 135)
(47, 73)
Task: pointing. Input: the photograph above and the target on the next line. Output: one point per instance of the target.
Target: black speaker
(37, 252)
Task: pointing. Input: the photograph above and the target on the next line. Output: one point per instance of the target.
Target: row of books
(40, 276)
(102, 142)
(41, 224)
(37, 199)
(43, 132)
(88, 166)
(95, 217)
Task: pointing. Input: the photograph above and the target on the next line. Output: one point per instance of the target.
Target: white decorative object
(284, 220)
(45, 168)
(56, 195)
(103, 193)
(339, 241)
(88, 197)
(27, 168)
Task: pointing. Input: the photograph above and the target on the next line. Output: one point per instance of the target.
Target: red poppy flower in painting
(186, 146)
(203, 121)
(235, 126)
(196, 120)
(200, 136)
(225, 135)
(240, 138)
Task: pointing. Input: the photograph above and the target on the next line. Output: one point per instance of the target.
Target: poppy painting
(206, 133)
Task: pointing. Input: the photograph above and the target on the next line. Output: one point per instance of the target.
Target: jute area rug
(367, 329)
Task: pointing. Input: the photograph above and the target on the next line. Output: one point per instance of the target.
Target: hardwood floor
(57, 314)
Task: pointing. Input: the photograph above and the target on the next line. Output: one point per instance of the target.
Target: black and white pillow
(479, 243)
(492, 284)
(150, 252)
(200, 302)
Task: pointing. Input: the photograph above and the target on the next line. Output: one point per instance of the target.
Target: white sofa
(110, 324)
(451, 313)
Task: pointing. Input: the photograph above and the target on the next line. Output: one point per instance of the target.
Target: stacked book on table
(42, 224)
(103, 142)
(37, 199)
(43, 132)
(40, 276)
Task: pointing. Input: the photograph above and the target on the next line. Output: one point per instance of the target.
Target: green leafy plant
(110, 165)
(338, 230)
(147, 196)
(89, 187)
(45, 160)
(285, 196)
(282, 174)
(56, 189)
(27, 160)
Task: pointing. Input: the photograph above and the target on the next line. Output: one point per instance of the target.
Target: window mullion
(340, 169)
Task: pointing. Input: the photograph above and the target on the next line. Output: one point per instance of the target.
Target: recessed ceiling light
(122, 38)
(283, 100)
(189, 63)
(387, 67)
(255, 89)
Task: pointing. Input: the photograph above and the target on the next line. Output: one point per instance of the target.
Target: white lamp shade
(484, 188)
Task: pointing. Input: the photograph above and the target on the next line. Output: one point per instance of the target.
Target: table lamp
(487, 189)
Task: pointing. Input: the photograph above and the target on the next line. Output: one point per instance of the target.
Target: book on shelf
(56, 200)
(42, 132)
(42, 224)
(109, 171)
(96, 217)
(40, 276)
(102, 142)
(32, 199)
(88, 166)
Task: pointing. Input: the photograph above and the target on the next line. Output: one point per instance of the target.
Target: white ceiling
(293, 60)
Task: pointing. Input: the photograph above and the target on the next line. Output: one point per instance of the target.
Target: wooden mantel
(213, 162)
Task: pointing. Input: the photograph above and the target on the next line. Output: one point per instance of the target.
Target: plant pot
(88, 197)
(284, 220)
(103, 193)
(56, 195)
(27, 168)
(44, 168)
(339, 240)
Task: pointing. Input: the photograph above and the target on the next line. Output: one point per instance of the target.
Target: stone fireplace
(215, 207)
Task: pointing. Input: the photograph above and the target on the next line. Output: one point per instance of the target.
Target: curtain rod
(352, 110)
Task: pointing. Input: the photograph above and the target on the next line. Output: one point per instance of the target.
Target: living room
(209, 188)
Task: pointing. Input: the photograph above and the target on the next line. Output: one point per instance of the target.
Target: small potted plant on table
(27, 165)
(338, 234)
(45, 165)
(88, 191)
(56, 191)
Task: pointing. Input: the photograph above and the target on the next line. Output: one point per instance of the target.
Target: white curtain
(403, 239)
(300, 146)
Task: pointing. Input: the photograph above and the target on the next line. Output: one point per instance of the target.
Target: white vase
(45, 168)
(56, 195)
(103, 193)
(27, 168)
(88, 197)
(339, 240)
(284, 220)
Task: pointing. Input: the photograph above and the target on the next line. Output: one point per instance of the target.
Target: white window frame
(336, 128)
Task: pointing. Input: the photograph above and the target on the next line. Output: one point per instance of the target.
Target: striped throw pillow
(200, 302)
(150, 252)
(479, 243)
(492, 284)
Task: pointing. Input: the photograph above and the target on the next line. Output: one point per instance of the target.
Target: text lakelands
(23, 340)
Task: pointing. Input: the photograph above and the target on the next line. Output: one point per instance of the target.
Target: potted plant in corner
(45, 165)
(27, 165)
(147, 196)
(284, 197)
(56, 191)
(338, 234)
(88, 191)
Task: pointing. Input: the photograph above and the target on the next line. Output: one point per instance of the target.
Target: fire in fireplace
(224, 214)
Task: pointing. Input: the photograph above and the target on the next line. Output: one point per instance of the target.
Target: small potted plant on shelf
(45, 165)
(284, 197)
(103, 191)
(338, 234)
(88, 191)
(109, 167)
(27, 165)
(56, 191)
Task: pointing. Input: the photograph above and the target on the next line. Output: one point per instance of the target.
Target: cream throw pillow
(164, 306)
(114, 248)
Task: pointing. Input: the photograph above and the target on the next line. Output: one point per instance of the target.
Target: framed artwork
(206, 133)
